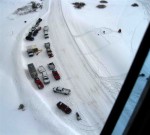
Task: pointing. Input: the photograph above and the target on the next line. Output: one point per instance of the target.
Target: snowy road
(88, 96)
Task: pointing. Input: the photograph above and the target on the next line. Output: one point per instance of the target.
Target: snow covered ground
(91, 62)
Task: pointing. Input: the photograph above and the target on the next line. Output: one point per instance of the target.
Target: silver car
(45, 30)
(45, 77)
(62, 90)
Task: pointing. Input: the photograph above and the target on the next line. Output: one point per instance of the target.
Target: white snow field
(91, 62)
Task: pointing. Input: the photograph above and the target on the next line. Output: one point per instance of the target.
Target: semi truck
(34, 75)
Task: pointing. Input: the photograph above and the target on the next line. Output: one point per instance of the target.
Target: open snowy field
(91, 56)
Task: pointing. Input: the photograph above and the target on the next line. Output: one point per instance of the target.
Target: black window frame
(128, 85)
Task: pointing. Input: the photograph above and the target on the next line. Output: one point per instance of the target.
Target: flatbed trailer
(32, 71)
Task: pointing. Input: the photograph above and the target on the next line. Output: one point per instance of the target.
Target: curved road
(88, 96)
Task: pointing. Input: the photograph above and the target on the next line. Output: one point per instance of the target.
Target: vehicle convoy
(34, 75)
(66, 109)
(30, 52)
(62, 90)
(45, 77)
(48, 49)
(55, 73)
(45, 31)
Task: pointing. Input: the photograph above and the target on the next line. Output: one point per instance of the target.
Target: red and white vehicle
(55, 73)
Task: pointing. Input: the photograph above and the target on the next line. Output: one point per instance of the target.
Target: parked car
(56, 75)
(66, 109)
(38, 22)
(48, 49)
(39, 83)
(51, 66)
(45, 30)
(35, 32)
(45, 77)
(30, 36)
(62, 90)
(30, 52)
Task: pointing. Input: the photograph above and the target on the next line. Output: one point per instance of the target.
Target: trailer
(32, 71)
(48, 50)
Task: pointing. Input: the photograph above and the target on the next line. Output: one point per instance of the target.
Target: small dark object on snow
(134, 5)
(119, 31)
(25, 21)
(101, 6)
(142, 75)
(78, 116)
(79, 5)
(147, 78)
(103, 1)
(21, 107)
(103, 32)
(38, 22)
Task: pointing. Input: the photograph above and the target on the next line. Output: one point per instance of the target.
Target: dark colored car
(39, 83)
(35, 32)
(64, 107)
(30, 52)
(38, 22)
(56, 75)
(29, 37)
(49, 53)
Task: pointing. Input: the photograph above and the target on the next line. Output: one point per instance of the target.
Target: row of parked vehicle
(31, 51)
(42, 70)
(35, 29)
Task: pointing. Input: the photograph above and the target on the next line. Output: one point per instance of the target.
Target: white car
(45, 30)
(45, 77)
(62, 90)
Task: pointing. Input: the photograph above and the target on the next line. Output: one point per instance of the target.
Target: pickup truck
(66, 109)
(48, 50)
(55, 73)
